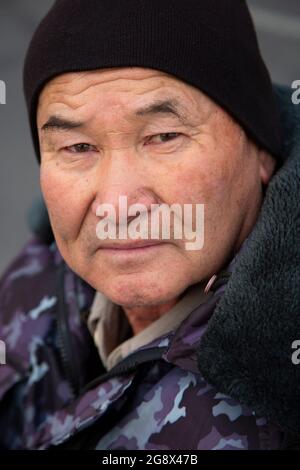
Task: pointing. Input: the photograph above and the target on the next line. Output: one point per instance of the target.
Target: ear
(267, 165)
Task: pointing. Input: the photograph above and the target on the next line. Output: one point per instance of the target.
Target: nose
(123, 178)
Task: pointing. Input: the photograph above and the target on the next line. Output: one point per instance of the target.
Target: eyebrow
(167, 107)
(59, 123)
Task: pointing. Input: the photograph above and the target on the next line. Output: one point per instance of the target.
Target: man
(119, 343)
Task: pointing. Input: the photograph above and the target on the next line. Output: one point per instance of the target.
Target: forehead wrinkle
(62, 81)
(60, 88)
(184, 100)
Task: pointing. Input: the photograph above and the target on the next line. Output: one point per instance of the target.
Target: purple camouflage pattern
(163, 405)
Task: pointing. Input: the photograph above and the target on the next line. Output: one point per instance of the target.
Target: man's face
(186, 151)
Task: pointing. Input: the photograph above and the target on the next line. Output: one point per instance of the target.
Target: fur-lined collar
(247, 348)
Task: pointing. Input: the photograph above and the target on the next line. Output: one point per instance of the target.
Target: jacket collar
(247, 348)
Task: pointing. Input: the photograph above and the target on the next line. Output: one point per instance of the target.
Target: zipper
(64, 337)
(128, 364)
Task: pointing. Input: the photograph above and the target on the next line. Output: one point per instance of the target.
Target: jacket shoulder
(27, 301)
(28, 280)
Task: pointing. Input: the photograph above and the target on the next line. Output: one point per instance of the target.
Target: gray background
(278, 28)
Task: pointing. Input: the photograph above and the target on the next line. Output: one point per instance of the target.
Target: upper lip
(130, 245)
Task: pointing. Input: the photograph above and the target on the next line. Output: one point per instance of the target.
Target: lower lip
(131, 253)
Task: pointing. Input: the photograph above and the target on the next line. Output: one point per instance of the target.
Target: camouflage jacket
(222, 380)
(156, 398)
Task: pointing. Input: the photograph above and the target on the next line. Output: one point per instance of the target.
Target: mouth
(133, 245)
(136, 249)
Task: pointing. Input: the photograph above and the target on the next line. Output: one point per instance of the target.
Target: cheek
(66, 203)
(200, 181)
(208, 179)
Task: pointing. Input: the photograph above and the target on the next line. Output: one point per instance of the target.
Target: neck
(141, 317)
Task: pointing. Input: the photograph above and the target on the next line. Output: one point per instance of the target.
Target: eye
(80, 148)
(164, 138)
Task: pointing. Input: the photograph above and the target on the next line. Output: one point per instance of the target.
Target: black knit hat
(210, 44)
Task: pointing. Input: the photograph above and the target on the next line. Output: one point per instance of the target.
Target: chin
(138, 290)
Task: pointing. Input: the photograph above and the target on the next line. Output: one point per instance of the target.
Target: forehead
(122, 90)
(122, 79)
